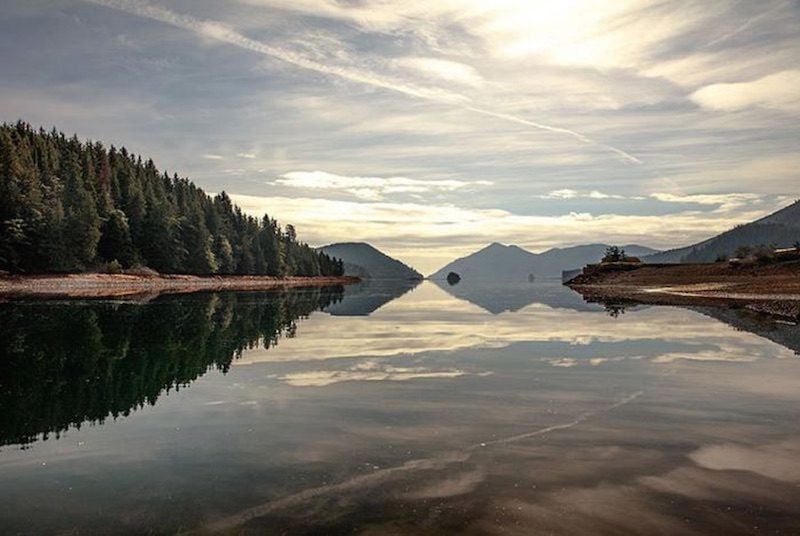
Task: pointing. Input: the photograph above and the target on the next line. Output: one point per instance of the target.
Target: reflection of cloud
(777, 460)
(367, 371)
(701, 484)
(430, 320)
(351, 490)
(724, 352)
(458, 484)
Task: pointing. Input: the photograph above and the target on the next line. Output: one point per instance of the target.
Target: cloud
(725, 202)
(780, 91)
(452, 71)
(209, 156)
(248, 156)
(428, 235)
(371, 188)
(568, 193)
(358, 74)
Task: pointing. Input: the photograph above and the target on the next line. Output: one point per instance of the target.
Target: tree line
(72, 206)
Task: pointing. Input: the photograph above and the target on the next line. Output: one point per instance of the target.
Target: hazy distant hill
(363, 260)
(512, 263)
(781, 228)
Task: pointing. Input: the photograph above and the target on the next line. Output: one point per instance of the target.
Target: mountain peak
(499, 262)
(365, 260)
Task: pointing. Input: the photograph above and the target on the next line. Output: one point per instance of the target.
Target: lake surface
(497, 409)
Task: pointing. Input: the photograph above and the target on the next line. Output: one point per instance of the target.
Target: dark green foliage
(615, 254)
(64, 364)
(67, 206)
(115, 240)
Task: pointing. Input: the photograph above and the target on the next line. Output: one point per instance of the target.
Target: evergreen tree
(115, 240)
(81, 221)
(67, 205)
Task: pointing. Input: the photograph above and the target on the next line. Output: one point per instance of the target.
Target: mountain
(363, 260)
(554, 261)
(781, 228)
(512, 263)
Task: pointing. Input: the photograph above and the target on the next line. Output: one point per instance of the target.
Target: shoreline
(769, 289)
(97, 285)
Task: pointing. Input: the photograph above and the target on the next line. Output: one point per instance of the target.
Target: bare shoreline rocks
(95, 285)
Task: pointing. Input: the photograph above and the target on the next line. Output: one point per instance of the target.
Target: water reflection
(366, 297)
(64, 364)
(434, 415)
(506, 296)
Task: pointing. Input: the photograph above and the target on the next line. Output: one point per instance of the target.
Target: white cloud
(446, 69)
(725, 202)
(371, 188)
(358, 73)
(779, 90)
(429, 235)
(209, 156)
(248, 156)
(568, 193)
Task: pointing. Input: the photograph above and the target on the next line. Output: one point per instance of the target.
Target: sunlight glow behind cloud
(431, 128)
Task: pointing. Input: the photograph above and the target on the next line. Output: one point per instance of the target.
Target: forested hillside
(780, 229)
(69, 206)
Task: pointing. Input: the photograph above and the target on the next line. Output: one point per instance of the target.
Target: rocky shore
(95, 285)
(772, 289)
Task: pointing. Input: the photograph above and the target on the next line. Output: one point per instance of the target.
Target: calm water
(503, 409)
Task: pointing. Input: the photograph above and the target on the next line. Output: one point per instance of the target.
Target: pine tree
(67, 205)
(81, 221)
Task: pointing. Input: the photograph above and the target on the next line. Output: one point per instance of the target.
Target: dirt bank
(772, 289)
(91, 285)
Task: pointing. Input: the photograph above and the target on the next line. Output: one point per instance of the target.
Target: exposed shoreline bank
(95, 285)
(770, 289)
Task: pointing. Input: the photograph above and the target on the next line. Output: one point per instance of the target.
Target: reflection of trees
(614, 309)
(65, 364)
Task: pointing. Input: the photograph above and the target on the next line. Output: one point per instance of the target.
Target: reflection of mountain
(64, 364)
(498, 297)
(787, 335)
(365, 298)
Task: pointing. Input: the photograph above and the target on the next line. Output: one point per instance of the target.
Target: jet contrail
(223, 33)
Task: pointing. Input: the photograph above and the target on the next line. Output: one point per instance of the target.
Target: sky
(432, 128)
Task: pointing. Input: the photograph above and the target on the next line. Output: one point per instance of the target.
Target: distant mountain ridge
(512, 263)
(365, 261)
(781, 228)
